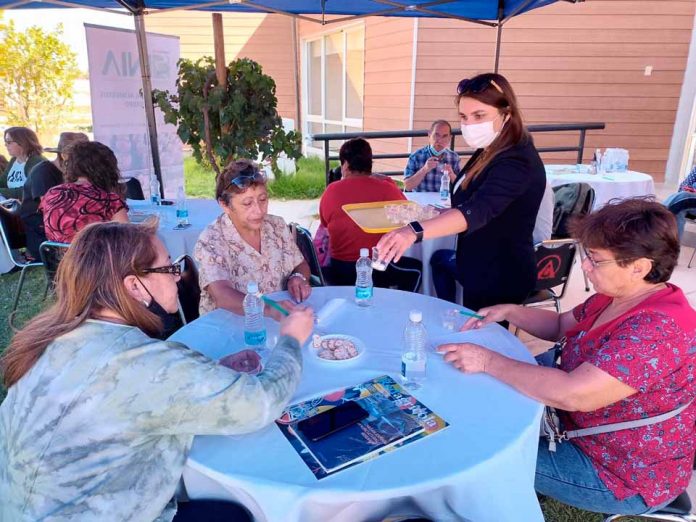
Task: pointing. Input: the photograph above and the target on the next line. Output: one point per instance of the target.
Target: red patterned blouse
(70, 207)
(652, 348)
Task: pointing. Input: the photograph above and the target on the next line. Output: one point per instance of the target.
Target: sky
(73, 21)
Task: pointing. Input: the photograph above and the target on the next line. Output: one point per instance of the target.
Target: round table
(606, 186)
(479, 468)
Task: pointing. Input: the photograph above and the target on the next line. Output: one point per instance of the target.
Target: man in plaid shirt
(684, 201)
(422, 173)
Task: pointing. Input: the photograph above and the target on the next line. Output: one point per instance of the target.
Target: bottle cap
(252, 287)
(364, 252)
(416, 316)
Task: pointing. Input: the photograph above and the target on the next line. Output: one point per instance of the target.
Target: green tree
(37, 75)
(224, 122)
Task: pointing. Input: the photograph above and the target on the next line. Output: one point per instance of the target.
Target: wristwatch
(297, 274)
(417, 229)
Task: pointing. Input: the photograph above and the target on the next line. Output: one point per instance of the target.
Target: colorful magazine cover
(396, 419)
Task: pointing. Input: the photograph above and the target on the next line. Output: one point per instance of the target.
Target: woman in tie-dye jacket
(99, 417)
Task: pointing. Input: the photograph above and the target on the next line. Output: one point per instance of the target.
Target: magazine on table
(395, 419)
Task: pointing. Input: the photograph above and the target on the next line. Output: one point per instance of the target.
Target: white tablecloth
(480, 468)
(201, 213)
(607, 186)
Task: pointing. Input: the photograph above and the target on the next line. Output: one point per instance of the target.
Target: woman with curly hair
(91, 193)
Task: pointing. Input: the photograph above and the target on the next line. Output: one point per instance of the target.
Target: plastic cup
(377, 263)
(450, 319)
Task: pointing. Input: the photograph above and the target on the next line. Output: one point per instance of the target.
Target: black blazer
(495, 255)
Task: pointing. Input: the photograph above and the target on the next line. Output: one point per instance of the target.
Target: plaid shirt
(431, 181)
(690, 181)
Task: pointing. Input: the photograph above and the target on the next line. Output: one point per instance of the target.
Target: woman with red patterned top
(91, 193)
(629, 354)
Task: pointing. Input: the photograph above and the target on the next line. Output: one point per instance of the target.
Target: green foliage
(37, 75)
(243, 116)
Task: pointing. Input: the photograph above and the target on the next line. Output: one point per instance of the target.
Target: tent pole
(499, 34)
(147, 95)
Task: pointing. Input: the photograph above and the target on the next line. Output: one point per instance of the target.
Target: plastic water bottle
(363, 281)
(414, 357)
(254, 326)
(155, 197)
(444, 186)
(181, 208)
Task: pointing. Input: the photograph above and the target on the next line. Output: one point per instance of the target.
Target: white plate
(357, 342)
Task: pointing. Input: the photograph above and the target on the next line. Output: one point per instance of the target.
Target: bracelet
(297, 274)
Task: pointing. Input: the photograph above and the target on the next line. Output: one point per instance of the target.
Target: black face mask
(171, 322)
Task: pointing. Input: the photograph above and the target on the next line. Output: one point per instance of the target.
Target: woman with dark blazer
(495, 201)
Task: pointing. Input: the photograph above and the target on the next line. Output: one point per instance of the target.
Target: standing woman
(495, 201)
(23, 146)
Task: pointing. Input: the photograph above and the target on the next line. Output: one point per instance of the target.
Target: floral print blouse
(100, 427)
(222, 255)
(651, 348)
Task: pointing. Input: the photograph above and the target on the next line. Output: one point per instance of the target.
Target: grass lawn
(307, 183)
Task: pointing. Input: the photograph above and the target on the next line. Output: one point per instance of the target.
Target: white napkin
(329, 310)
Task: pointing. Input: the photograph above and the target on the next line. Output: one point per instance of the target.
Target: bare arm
(121, 216)
(544, 324)
(587, 388)
(298, 288)
(395, 243)
(226, 296)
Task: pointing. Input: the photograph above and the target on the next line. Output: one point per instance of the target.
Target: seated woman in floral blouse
(99, 417)
(245, 244)
(629, 354)
(91, 193)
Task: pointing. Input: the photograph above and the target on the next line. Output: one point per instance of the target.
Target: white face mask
(480, 135)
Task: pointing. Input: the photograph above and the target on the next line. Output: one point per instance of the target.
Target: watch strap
(417, 229)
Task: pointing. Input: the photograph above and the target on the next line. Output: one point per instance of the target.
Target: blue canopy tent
(492, 13)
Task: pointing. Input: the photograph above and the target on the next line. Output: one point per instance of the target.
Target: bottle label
(255, 338)
(413, 368)
(181, 213)
(363, 292)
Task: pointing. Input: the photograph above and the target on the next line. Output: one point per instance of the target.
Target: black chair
(13, 241)
(570, 200)
(689, 237)
(134, 190)
(554, 261)
(189, 290)
(679, 510)
(304, 242)
(51, 254)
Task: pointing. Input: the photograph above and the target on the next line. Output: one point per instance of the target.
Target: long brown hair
(89, 279)
(94, 161)
(499, 94)
(25, 138)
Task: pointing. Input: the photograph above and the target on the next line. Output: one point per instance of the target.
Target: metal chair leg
(692, 257)
(18, 292)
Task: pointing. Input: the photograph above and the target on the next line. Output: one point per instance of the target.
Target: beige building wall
(573, 63)
(266, 39)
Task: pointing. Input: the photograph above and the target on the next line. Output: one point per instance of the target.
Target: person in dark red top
(359, 185)
(91, 195)
(630, 353)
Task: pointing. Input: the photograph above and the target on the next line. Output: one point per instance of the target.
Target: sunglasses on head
(246, 178)
(476, 85)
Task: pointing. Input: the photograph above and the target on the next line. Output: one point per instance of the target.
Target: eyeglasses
(594, 263)
(174, 269)
(246, 178)
(477, 84)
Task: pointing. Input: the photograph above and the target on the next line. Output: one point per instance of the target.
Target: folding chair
(13, 240)
(554, 261)
(51, 254)
(304, 242)
(189, 290)
(689, 236)
(570, 200)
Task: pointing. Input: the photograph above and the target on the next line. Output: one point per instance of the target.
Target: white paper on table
(486, 337)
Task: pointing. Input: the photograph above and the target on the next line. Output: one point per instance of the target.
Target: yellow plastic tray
(372, 217)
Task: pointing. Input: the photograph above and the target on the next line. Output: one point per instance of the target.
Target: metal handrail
(560, 127)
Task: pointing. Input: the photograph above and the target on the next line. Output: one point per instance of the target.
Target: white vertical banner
(118, 110)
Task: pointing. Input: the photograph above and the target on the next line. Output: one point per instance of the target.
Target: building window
(334, 84)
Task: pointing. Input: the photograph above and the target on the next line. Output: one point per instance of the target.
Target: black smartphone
(166, 202)
(330, 421)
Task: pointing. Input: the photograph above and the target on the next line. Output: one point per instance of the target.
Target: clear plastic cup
(450, 319)
(377, 263)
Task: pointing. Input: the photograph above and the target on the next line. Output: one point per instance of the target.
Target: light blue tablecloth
(480, 468)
